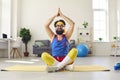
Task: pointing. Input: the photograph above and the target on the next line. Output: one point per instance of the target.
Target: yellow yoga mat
(43, 68)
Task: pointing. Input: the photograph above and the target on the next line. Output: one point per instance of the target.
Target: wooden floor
(107, 61)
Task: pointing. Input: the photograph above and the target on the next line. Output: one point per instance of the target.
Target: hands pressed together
(59, 13)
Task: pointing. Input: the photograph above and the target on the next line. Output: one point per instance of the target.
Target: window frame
(106, 30)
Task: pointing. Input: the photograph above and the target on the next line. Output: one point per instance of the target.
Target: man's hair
(59, 21)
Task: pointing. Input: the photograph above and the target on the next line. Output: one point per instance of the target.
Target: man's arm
(47, 27)
(71, 28)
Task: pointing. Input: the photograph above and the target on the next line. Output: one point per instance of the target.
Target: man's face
(59, 28)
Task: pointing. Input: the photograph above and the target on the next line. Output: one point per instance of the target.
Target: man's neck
(59, 37)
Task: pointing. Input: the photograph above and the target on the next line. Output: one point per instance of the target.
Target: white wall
(102, 48)
(118, 11)
(35, 13)
(15, 14)
(0, 14)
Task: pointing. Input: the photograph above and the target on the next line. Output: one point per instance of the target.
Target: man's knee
(47, 58)
(44, 55)
(73, 53)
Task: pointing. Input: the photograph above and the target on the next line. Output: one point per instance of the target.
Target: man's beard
(60, 31)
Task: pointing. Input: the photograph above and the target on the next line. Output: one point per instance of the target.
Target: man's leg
(50, 61)
(70, 58)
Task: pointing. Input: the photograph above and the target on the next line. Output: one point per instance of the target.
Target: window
(100, 20)
(5, 17)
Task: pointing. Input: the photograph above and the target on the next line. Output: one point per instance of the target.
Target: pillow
(72, 42)
(39, 44)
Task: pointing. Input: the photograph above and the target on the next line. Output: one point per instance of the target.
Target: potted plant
(115, 38)
(26, 37)
(100, 39)
(85, 24)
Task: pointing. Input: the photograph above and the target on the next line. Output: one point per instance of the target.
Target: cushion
(72, 42)
(45, 42)
(39, 44)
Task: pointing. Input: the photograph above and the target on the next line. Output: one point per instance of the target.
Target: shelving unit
(85, 36)
(115, 48)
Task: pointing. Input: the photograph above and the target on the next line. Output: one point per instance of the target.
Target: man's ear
(65, 31)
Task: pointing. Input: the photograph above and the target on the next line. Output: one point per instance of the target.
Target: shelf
(85, 36)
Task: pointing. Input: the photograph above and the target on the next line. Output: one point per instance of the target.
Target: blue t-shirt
(60, 47)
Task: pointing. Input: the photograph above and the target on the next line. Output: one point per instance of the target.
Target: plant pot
(26, 54)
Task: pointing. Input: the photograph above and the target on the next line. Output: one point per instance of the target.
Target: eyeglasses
(60, 26)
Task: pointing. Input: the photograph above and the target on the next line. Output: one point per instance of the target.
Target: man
(61, 57)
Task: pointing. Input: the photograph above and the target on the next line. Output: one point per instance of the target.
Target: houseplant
(26, 37)
(100, 39)
(115, 38)
(85, 24)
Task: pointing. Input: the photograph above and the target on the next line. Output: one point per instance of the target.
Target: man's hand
(59, 12)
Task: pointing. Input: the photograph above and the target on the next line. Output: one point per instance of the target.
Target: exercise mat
(42, 68)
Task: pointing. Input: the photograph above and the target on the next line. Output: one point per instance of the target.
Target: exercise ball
(82, 50)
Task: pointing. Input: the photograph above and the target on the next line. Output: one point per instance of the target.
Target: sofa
(72, 44)
(41, 46)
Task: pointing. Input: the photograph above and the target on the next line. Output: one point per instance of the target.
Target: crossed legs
(51, 61)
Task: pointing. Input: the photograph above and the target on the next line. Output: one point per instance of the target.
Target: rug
(42, 68)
